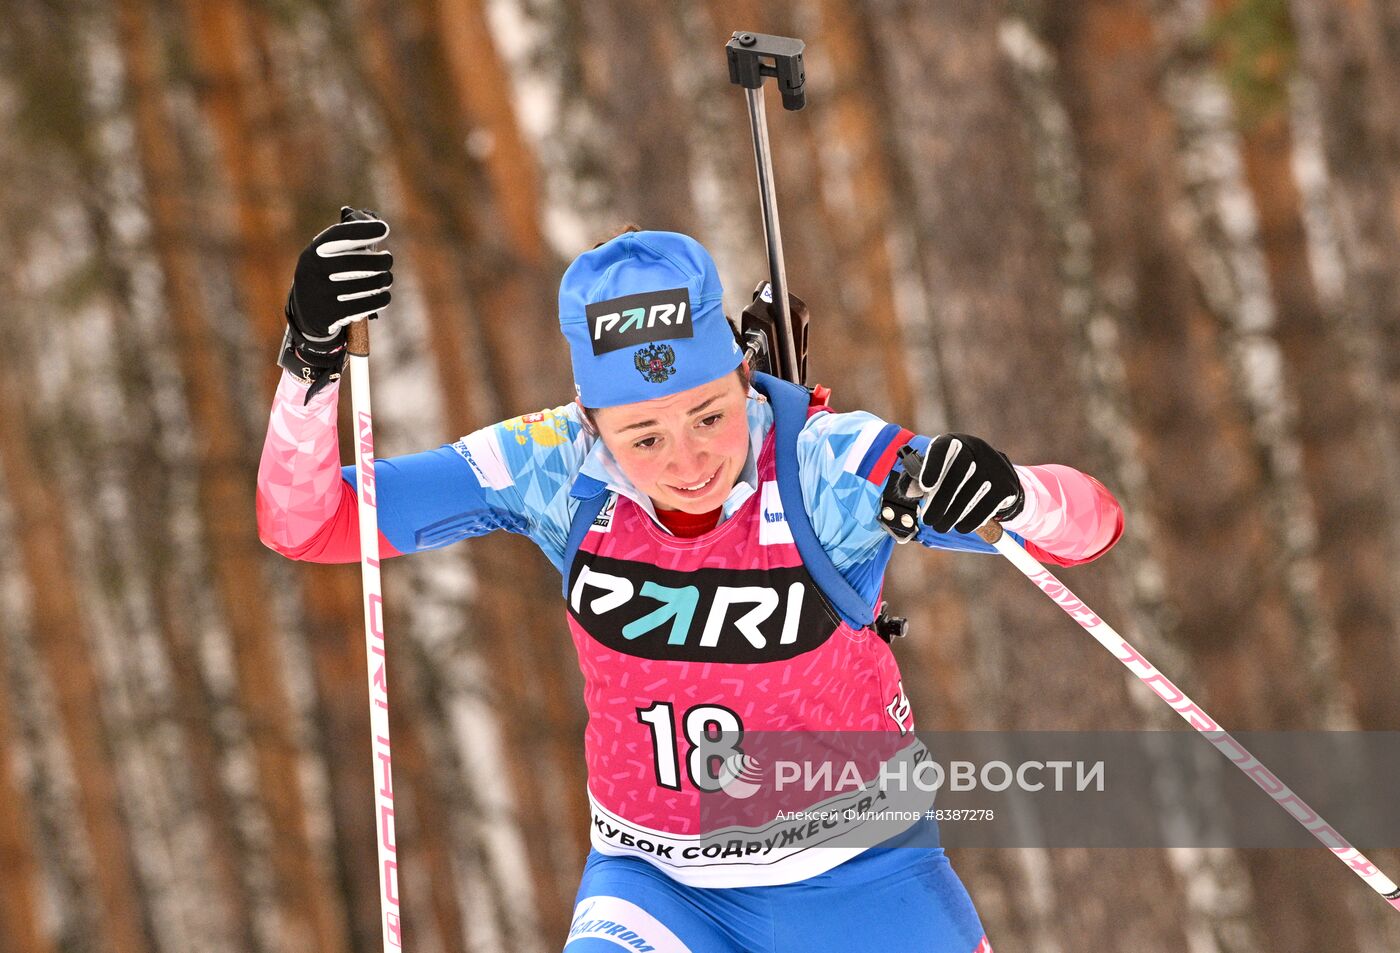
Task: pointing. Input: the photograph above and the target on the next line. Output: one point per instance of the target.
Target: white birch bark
(1219, 217)
(1215, 887)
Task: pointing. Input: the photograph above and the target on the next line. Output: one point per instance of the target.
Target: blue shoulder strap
(790, 402)
(592, 496)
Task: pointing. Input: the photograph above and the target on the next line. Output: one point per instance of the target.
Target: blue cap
(644, 317)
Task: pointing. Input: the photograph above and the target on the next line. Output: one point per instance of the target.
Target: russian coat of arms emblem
(656, 362)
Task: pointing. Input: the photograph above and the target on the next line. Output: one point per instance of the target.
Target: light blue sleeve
(844, 460)
(514, 475)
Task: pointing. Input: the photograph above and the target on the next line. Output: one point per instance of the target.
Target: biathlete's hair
(621, 230)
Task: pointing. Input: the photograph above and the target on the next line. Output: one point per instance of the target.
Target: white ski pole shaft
(1195, 716)
(357, 345)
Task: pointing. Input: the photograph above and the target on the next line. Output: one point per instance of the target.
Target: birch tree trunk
(61, 641)
(1214, 887)
(1346, 72)
(1202, 471)
(330, 596)
(308, 918)
(1048, 223)
(431, 845)
(1336, 425)
(499, 614)
(41, 577)
(1222, 240)
(140, 450)
(1347, 454)
(22, 884)
(1010, 366)
(516, 304)
(853, 148)
(1235, 277)
(1342, 465)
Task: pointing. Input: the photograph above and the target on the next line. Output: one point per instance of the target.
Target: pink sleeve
(305, 509)
(1069, 517)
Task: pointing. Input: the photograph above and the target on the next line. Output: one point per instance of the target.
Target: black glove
(965, 481)
(338, 280)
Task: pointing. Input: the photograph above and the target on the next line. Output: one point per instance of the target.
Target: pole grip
(357, 335)
(357, 338)
(990, 531)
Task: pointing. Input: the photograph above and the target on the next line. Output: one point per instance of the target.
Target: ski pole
(1195, 716)
(752, 56)
(357, 345)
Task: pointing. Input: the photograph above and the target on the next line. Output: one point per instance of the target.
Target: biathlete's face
(685, 451)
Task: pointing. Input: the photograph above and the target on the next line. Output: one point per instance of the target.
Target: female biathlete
(722, 563)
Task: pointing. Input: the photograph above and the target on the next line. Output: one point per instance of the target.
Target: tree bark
(42, 529)
(1340, 59)
(853, 147)
(432, 845)
(482, 87)
(639, 115)
(22, 884)
(141, 453)
(1214, 887)
(240, 102)
(238, 109)
(1010, 375)
(309, 921)
(1342, 465)
(1230, 268)
(1216, 543)
(1342, 52)
(543, 762)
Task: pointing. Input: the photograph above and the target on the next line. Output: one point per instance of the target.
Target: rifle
(774, 327)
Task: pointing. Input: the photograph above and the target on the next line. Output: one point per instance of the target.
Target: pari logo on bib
(644, 318)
